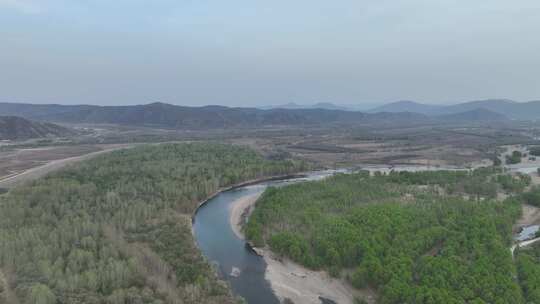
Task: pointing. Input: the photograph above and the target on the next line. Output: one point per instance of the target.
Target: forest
(116, 229)
(424, 237)
(528, 265)
(514, 158)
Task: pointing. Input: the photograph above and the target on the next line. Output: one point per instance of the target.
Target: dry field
(332, 146)
(19, 165)
(424, 145)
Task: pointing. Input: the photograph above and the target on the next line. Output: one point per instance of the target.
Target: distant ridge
(170, 116)
(328, 106)
(407, 106)
(17, 128)
(476, 115)
(319, 105)
(208, 117)
(33, 111)
(509, 108)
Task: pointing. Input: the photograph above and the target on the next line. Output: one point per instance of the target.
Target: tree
(514, 158)
(41, 294)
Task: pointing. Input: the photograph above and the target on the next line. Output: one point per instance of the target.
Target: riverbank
(292, 281)
(240, 211)
(243, 184)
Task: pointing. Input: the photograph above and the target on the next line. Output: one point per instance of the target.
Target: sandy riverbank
(304, 286)
(240, 210)
(291, 280)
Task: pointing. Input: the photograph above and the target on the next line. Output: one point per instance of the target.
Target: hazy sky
(256, 52)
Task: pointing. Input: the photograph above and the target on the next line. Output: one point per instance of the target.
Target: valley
(124, 180)
(269, 152)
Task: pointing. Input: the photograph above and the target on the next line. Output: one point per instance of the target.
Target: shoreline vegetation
(243, 184)
(116, 228)
(322, 221)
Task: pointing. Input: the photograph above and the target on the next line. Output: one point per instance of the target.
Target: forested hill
(116, 229)
(17, 128)
(425, 237)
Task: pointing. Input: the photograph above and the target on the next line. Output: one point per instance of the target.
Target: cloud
(23, 6)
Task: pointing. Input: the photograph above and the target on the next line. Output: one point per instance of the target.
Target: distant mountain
(17, 128)
(289, 105)
(211, 117)
(34, 111)
(328, 106)
(320, 105)
(496, 105)
(510, 109)
(407, 106)
(476, 115)
(362, 107)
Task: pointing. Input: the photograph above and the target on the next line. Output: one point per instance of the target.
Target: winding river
(235, 261)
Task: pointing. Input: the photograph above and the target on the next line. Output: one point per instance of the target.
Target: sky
(268, 52)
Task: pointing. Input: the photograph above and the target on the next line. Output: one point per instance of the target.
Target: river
(235, 261)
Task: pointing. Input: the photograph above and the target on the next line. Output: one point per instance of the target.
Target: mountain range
(509, 108)
(165, 115)
(208, 117)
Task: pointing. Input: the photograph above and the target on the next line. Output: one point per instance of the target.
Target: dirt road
(523, 244)
(54, 165)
